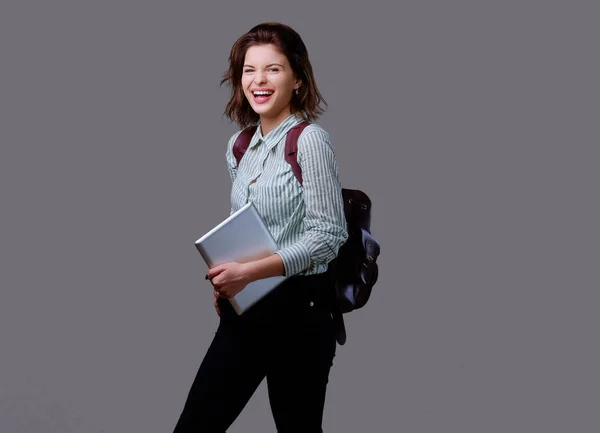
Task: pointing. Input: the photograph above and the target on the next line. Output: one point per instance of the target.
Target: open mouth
(262, 96)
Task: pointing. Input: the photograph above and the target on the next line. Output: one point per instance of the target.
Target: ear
(298, 83)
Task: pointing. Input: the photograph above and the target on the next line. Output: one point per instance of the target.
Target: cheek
(282, 86)
(246, 81)
(286, 86)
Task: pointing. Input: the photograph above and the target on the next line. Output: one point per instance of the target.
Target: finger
(220, 291)
(222, 267)
(213, 272)
(218, 283)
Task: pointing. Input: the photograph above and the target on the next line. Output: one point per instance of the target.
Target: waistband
(292, 296)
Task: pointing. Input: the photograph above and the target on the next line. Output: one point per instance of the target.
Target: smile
(262, 96)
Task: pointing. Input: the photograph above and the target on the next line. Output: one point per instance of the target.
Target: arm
(324, 221)
(231, 278)
(230, 158)
(271, 266)
(231, 162)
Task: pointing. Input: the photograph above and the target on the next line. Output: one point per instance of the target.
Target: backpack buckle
(368, 261)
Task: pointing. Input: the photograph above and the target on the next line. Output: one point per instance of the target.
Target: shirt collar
(275, 135)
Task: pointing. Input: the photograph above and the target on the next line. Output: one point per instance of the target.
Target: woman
(288, 336)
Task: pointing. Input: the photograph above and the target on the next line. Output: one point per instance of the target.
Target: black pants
(287, 337)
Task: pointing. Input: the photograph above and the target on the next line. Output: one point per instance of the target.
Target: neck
(267, 124)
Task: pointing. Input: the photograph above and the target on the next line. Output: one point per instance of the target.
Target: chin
(262, 110)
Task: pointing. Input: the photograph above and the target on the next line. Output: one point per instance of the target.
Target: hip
(299, 298)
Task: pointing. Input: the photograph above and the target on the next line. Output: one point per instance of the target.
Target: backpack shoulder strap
(291, 149)
(242, 142)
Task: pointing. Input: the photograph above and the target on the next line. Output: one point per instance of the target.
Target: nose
(259, 77)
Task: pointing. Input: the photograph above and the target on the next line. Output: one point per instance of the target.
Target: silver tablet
(241, 237)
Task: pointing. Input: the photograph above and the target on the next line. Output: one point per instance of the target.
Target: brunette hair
(288, 42)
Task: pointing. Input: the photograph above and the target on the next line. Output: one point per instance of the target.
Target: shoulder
(229, 155)
(314, 130)
(232, 139)
(314, 137)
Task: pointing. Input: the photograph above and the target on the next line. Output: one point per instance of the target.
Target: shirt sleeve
(324, 221)
(230, 158)
(231, 163)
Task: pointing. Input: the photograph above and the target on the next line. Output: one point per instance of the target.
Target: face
(268, 82)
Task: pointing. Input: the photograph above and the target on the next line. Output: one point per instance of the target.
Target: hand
(228, 279)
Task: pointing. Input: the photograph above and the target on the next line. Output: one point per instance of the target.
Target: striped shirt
(307, 221)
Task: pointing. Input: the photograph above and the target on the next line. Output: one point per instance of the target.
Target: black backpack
(354, 270)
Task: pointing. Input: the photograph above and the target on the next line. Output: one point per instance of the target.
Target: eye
(274, 69)
(247, 70)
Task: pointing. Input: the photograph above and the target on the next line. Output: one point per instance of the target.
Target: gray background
(472, 125)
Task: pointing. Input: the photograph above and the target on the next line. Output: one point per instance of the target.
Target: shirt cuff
(296, 258)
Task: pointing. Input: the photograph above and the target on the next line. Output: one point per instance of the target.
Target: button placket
(254, 178)
(250, 184)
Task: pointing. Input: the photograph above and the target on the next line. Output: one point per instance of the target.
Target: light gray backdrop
(472, 125)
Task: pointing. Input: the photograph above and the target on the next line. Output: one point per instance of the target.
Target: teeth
(262, 93)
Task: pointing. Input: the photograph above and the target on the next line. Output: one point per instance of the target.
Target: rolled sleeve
(296, 258)
(324, 221)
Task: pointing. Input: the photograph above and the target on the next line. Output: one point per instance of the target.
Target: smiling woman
(267, 81)
(289, 335)
(271, 57)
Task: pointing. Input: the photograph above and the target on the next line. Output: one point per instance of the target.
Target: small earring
(296, 90)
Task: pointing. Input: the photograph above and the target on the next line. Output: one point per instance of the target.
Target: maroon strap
(291, 146)
(291, 149)
(242, 142)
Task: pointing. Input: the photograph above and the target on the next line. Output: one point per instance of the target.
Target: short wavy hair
(309, 102)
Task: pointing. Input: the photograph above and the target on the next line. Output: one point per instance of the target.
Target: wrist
(248, 272)
(264, 268)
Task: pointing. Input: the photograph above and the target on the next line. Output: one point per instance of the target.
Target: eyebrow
(270, 64)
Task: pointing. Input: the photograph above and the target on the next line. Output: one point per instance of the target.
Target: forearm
(314, 248)
(271, 266)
